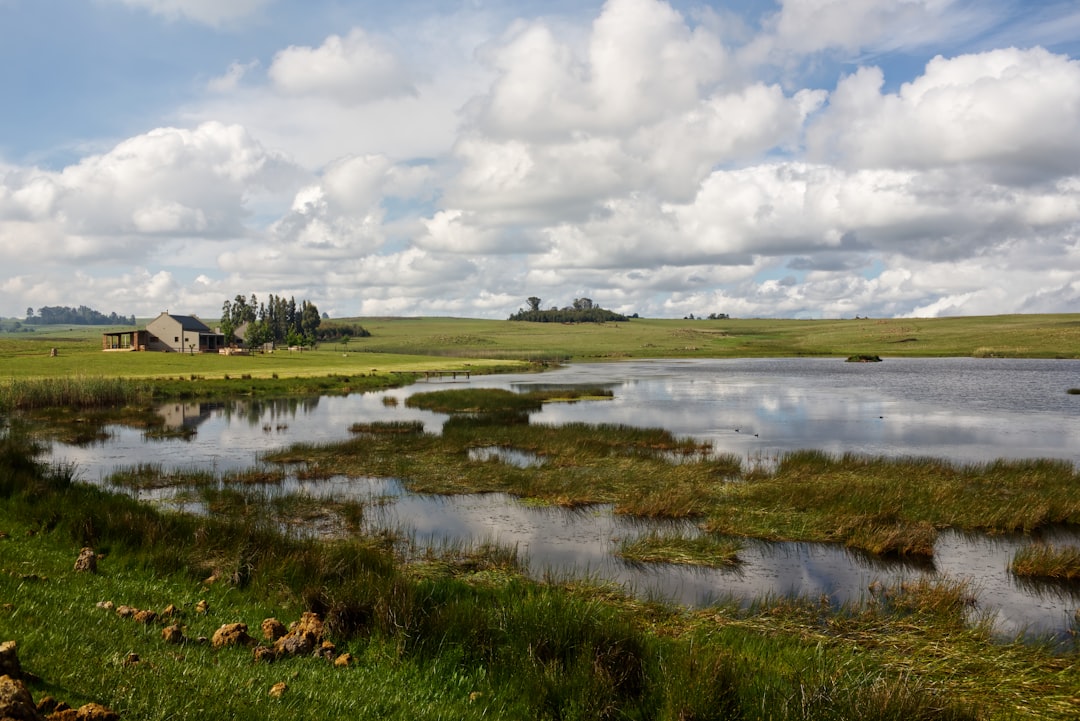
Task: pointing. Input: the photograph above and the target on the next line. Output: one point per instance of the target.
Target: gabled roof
(190, 322)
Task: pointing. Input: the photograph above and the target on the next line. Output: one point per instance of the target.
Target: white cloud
(208, 12)
(230, 80)
(354, 69)
(1013, 113)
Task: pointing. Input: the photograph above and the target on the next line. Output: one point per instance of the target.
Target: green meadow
(432, 632)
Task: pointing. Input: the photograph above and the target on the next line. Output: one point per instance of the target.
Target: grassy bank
(428, 344)
(457, 635)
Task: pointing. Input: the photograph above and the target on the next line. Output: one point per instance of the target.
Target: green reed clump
(388, 427)
(1047, 561)
(70, 392)
(474, 400)
(150, 476)
(702, 549)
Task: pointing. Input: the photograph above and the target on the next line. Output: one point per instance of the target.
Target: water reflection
(960, 409)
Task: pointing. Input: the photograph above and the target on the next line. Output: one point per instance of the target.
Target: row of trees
(277, 321)
(60, 314)
(583, 310)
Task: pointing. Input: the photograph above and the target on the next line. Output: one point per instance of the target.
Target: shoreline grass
(703, 550)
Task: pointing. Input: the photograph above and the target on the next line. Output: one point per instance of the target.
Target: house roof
(190, 322)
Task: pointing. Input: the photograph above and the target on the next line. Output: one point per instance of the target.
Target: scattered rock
(278, 689)
(326, 650)
(9, 660)
(107, 605)
(49, 705)
(309, 623)
(16, 703)
(126, 611)
(202, 607)
(131, 659)
(213, 578)
(170, 611)
(264, 654)
(232, 634)
(345, 659)
(87, 561)
(146, 617)
(96, 712)
(173, 634)
(273, 629)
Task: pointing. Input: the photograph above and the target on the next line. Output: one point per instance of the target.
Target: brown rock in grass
(49, 706)
(170, 611)
(232, 634)
(146, 617)
(303, 637)
(9, 660)
(264, 654)
(87, 561)
(278, 689)
(16, 703)
(126, 611)
(345, 659)
(273, 629)
(202, 607)
(96, 712)
(173, 634)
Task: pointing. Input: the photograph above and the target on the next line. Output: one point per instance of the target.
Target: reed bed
(70, 392)
(392, 427)
(1047, 561)
(153, 476)
(683, 549)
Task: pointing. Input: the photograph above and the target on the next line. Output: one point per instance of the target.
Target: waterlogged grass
(1047, 562)
(496, 400)
(77, 391)
(690, 550)
(462, 635)
(881, 505)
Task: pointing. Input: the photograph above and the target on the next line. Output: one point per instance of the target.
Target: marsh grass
(684, 549)
(378, 427)
(465, 637)
(497, 400)
(77, 391)
(1047, 562)
(152, 476)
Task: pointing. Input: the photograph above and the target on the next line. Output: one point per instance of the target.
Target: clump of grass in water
(379, 427)
(498, 400)
(691, 550)
(1047, 561)
(150, 476)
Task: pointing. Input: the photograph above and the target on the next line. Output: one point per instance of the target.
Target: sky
(792, 159)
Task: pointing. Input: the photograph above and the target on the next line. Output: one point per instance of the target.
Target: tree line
(276, 321)
(582, 310)
(83, 315)
(281, 322)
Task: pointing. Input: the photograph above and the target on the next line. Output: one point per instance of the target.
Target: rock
(131, 659)
(345, 659)
(9, 660)
(146, 617)
(126, 611)
(202, 607)
(309, 623)
(278, 689)
(67, 714)
(170, 611)
(87, 561)
(264, 654)
(326, 650)
(16, 703)
(49, 705)
(232, 634)
(273, 629)
(173, 634)
(96, 712)
(295, 645)
(107, 605)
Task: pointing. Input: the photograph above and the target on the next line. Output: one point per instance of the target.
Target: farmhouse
(167, 333)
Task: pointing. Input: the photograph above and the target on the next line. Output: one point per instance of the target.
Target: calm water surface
(961, 409)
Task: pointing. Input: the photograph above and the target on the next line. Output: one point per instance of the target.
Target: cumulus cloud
(354, 69)
(1014, 113)
(168, 183)
(208, 12)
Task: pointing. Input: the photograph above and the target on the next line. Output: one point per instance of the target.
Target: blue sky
(804, 158)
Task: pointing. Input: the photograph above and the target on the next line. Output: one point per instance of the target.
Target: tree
(534, 303)
(583, 304)
(29, 313)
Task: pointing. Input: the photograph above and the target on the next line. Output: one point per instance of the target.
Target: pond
(961, 409)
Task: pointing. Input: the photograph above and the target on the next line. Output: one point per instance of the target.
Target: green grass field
(422, 344)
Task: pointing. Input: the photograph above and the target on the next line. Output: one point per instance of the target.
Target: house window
(175, 339)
